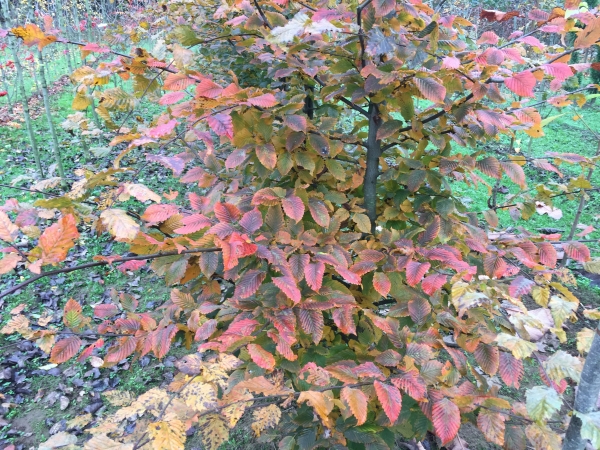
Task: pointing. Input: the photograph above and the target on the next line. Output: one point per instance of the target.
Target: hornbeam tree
(325, 276)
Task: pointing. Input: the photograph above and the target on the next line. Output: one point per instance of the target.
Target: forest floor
(41, 399)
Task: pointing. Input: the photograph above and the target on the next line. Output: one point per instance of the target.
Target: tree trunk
(582, 203)
(45, 96)
(5, 84)
(587, 395)
(20, 85)
(372, 172)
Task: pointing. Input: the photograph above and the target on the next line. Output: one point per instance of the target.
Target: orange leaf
(357, 401)
(382, 283)
(32, 34)
(8, 230)
(261, 357)
(57, 240)
(65, 349)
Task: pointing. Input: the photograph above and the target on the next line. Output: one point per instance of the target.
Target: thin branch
(103, 263)
(361, 34)
(262, 15)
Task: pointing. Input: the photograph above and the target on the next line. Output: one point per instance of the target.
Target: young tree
(322, 261)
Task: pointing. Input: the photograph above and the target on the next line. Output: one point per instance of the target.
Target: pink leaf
(521, 84)
(162, 130)
(221, 124)
(264, 101)
(171, 98)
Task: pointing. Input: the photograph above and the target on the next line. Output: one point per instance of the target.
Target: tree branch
(103, 263)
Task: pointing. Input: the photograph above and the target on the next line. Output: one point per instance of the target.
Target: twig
(103, 263)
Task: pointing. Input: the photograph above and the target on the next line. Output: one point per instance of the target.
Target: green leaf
(590, 428)
(542, 402)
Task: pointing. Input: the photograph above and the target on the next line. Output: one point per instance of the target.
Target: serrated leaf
(261, 357)
(431, 89)
(65, 349)
(362, 221)
(390, 399)
(446, 420)
(511, 369)
(542, 402)
(488, 357)
(167, 435)
(357, 401)
(561, 365)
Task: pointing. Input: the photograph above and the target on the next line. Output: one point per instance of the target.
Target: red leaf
(295, 122)
(415, 272)
(252, 221)
(312, 323)
(264, 101)
(261, 357)
(521, 84)
(206, 330)
(249, 283)
(576, 250)
(433, 283)
(293, 207)
(105, 310)
(487, 356)
(288, 287)
(162, 129)
(171, 98)
(497, 16)
(132, 266)
(343, 318)
(489, 37)
(221, 124)
(520, 286)
(319, 212)
(390, 399)
(446, 420)
(122, 349)
(65, 349)
(159, 213)
(431, 89)
(511, 369)
(494, 265)
(411, 382)
(384, 7)
(193, 223)
(382, 283)
(208, 88)
(348, 275)
(226, 212)
(313, 273)
(514, 172)
(548, 256)
(161, 340)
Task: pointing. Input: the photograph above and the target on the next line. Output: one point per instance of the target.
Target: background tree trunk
(45, 96)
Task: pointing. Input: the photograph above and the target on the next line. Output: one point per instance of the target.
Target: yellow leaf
(199, 396)
(519, 347)
(267, 417)
(119, 224)
(322, 402)
(167, 435)
(103, 442)
(79, 422)
(592, 266)
(213, 430)
(584, 340)
(592, 314)
(362, 222)
(541, 295)
(118, 398)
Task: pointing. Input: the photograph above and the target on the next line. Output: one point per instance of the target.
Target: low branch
(103, 263)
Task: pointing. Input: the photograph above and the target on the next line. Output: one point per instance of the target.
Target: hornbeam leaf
(491, 425)
(357, 402)
(542, 402)
(511, 369)
(431, 89)
(120, 224)
(65, 349)
(446, 420)
(261, 357)
(390, 399)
